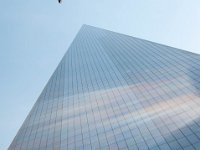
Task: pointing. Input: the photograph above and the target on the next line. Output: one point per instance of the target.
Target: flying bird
(59, 1)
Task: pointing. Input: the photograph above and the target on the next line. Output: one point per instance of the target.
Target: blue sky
(34, 35)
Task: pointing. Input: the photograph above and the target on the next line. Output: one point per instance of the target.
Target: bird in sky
(59, 1)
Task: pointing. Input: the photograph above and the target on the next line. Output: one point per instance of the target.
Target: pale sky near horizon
(34, 35)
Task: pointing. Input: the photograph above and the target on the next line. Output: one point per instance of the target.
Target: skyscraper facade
(113, 91)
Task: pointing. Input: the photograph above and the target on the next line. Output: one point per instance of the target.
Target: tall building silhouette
(113, 91)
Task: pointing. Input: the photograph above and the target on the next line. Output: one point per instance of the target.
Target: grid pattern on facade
(112, 91)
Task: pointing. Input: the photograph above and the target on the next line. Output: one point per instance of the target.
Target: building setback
(113, 91)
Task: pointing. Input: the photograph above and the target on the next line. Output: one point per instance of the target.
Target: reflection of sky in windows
(112, 91)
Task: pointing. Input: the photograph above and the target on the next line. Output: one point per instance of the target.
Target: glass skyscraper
(113, 91)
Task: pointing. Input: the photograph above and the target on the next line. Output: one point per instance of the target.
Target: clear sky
(34, 35)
